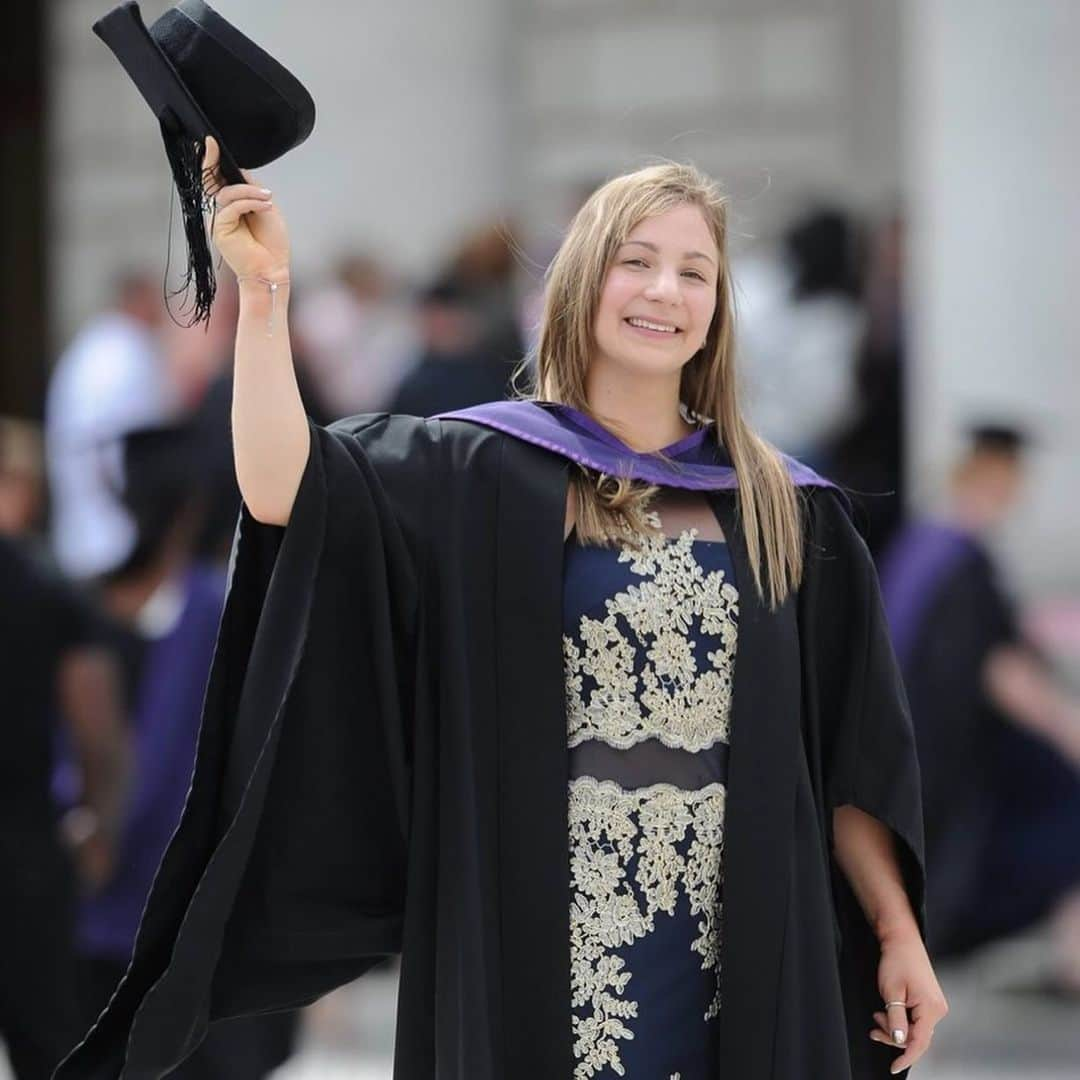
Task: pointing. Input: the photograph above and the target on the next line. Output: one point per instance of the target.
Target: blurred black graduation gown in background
(383, 768)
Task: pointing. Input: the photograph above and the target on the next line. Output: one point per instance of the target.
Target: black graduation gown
(960, 734)
(383, 767)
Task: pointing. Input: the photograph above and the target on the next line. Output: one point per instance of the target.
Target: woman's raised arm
(269, 426)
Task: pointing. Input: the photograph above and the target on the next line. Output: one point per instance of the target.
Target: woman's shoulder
(398, 428)
(411, 449)
(833, 543)
(378, 425)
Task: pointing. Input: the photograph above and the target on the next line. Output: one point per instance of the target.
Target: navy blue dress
(649, 643)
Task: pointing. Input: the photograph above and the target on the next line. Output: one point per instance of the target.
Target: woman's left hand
(905, 975)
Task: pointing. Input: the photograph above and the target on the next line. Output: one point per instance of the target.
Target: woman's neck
(643, 413)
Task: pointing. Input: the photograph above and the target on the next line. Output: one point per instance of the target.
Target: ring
(890, 1004)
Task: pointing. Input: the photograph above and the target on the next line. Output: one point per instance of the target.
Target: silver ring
(890, 1004)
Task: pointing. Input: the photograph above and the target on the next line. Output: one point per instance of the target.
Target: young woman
(584, 705)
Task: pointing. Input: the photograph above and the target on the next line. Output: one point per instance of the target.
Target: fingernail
(266, 191)
(898, 1036)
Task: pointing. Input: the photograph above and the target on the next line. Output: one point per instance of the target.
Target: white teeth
(652, 326)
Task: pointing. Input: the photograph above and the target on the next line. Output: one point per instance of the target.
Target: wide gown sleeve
(286, 875)
(860, 742)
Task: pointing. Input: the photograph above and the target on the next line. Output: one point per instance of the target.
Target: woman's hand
(905, 975)
(92, 852)
(248, 229)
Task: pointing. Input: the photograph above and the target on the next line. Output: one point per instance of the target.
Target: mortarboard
(201, 76)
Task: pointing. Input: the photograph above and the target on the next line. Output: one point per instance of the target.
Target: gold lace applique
(609, 824)
(671, 700)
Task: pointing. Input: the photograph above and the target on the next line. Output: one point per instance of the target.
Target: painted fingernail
(898, 1036)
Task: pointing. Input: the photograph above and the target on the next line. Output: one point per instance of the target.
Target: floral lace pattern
(677, 837)
(652, 626)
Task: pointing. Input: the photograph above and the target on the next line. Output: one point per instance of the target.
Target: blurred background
(905, 230)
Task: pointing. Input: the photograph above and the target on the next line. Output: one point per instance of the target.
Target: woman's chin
(649, 365)
(638, 358)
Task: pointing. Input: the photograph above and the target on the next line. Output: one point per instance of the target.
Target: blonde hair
(606, 506)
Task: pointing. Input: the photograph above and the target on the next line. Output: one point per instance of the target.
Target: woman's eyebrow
(654, 248)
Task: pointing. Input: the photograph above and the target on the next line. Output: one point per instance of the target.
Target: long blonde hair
(606, 506)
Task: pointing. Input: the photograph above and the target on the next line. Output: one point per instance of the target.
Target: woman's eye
(687, 273)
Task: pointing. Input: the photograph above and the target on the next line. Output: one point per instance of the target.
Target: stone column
(994, 176)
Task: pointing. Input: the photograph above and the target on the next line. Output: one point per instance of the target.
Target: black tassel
(185, 158)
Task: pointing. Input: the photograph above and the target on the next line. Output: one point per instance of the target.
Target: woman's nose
(664, 285)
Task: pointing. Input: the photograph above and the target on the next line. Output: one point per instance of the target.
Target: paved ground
(995, 1030)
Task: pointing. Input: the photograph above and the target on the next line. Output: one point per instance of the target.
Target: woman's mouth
(653, 328)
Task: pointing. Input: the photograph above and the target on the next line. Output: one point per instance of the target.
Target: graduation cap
(999, 437)
(201, 76)
(162, 475)
(446, 290)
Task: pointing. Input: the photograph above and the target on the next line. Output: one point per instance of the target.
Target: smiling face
(659, 296)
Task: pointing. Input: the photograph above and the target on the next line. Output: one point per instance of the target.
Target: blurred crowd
(116, 519)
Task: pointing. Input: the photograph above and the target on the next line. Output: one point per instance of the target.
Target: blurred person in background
(866, 455)
(22, 481)
(111, 379)
(196, 357)
(486, 265)
(998, 738)
(167, 607)
(800, 326)
(457, 366)
(358, 338)
(200, 360)
(535, 261)
(57, 668)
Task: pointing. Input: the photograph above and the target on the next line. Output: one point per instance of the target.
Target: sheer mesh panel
(649, 762)
(679, 510)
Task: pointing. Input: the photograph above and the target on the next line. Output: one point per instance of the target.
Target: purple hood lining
(696, 463)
